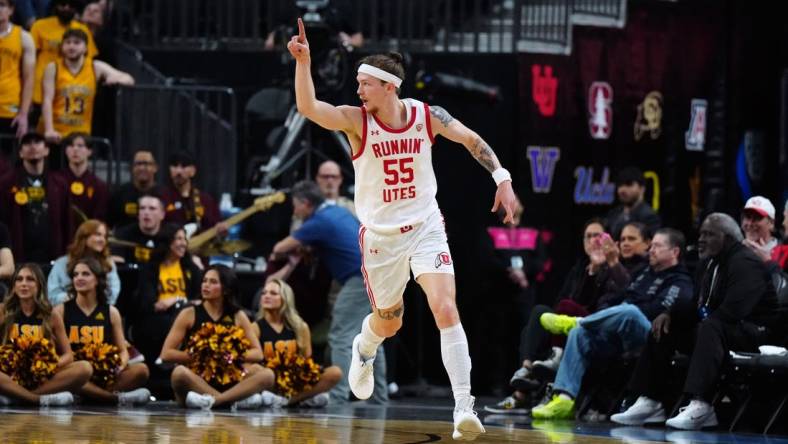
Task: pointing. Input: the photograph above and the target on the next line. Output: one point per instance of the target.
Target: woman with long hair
(219, 290)
(26, 312)
(90, 240)
(169, 282)
(281, 329)
(88, 318)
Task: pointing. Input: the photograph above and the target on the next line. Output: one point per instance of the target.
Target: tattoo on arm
(391, 314)
(442, 115)
(485, 155)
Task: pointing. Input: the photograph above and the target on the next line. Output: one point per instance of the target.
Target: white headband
(380, 74)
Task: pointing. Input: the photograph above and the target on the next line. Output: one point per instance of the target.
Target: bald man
(329, 179)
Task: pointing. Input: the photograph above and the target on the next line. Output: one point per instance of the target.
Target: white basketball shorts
(388, 259)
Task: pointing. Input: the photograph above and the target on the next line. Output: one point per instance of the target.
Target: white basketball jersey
(395, 182)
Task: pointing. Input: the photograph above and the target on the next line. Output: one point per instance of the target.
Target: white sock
(457, 360)
(368, 345)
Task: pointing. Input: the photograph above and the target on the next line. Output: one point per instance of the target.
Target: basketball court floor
(408, 421)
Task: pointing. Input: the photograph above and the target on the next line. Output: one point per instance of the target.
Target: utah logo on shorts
(442, 258)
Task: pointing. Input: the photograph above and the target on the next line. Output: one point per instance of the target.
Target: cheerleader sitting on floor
(95, 331)
(282, 331)
(26, 322)
(203, 380)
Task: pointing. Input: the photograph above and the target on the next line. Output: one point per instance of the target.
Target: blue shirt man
(333, 232)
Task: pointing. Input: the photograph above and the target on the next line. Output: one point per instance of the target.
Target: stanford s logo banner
(695, 137)
(544, 88)
(600, 110)
(443, 258)
(542, 160)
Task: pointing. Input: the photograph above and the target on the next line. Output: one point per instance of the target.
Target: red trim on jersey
(363, 134)
(370, 295)
(429, 123)
(401, 130)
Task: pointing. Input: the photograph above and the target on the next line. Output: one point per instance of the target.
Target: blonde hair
(289, 314)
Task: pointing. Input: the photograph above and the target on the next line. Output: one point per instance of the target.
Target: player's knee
(446, 311)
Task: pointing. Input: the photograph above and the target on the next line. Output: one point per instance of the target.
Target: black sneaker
(510, 405)
(522, 381)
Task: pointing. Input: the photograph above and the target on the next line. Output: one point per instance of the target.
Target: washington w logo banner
(542, 160)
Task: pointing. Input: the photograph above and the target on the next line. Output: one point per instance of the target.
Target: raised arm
(324, 114)
(444, 124)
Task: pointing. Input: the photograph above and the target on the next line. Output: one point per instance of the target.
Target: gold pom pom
(105, 359)
(216, 353)
(31, 361)
(294, 373)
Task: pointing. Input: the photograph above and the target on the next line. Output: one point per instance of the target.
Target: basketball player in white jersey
(401, 225)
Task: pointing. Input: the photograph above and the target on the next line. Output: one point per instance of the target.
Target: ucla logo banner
(589, 192)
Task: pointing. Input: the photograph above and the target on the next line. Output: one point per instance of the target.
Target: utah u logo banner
(542, 160)
(543, 89)
(600, 110)
(695, 137)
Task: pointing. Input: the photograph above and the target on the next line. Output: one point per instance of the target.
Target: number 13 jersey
(395, 181)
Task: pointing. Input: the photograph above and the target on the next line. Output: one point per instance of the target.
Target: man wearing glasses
(123, 204)
(329, 179)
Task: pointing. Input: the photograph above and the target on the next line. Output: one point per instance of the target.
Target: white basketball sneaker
(467, 426)
(360, 377)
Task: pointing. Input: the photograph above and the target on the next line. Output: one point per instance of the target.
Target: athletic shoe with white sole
(195, 400)
(56, 399)
(697, 415)
(271, 399)
(360, 376)
(644, 411)
(252, 402)
(467, 426)
(140, 396)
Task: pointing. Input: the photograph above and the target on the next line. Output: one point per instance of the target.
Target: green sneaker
(558, 324)
(558, 408)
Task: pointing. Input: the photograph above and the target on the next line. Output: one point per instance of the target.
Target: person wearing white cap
(402, 227)
(757, 223)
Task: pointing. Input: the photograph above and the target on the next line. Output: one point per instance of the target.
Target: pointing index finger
(301, 31)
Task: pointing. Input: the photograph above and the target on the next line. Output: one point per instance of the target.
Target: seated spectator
(630, 189)
(123, 204)
(733, 309)
(600, 274)
(33, 205)
(183, 202)
(219, 290)
(757, 223)
(6, 260)
(623, 328)
(87, 193)
(138, 240)
(90, 240)
(281, 329)
(166, 285)
(17, 66)
(89, 318)
(780, 252)
(69, 86)
(26, 312)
